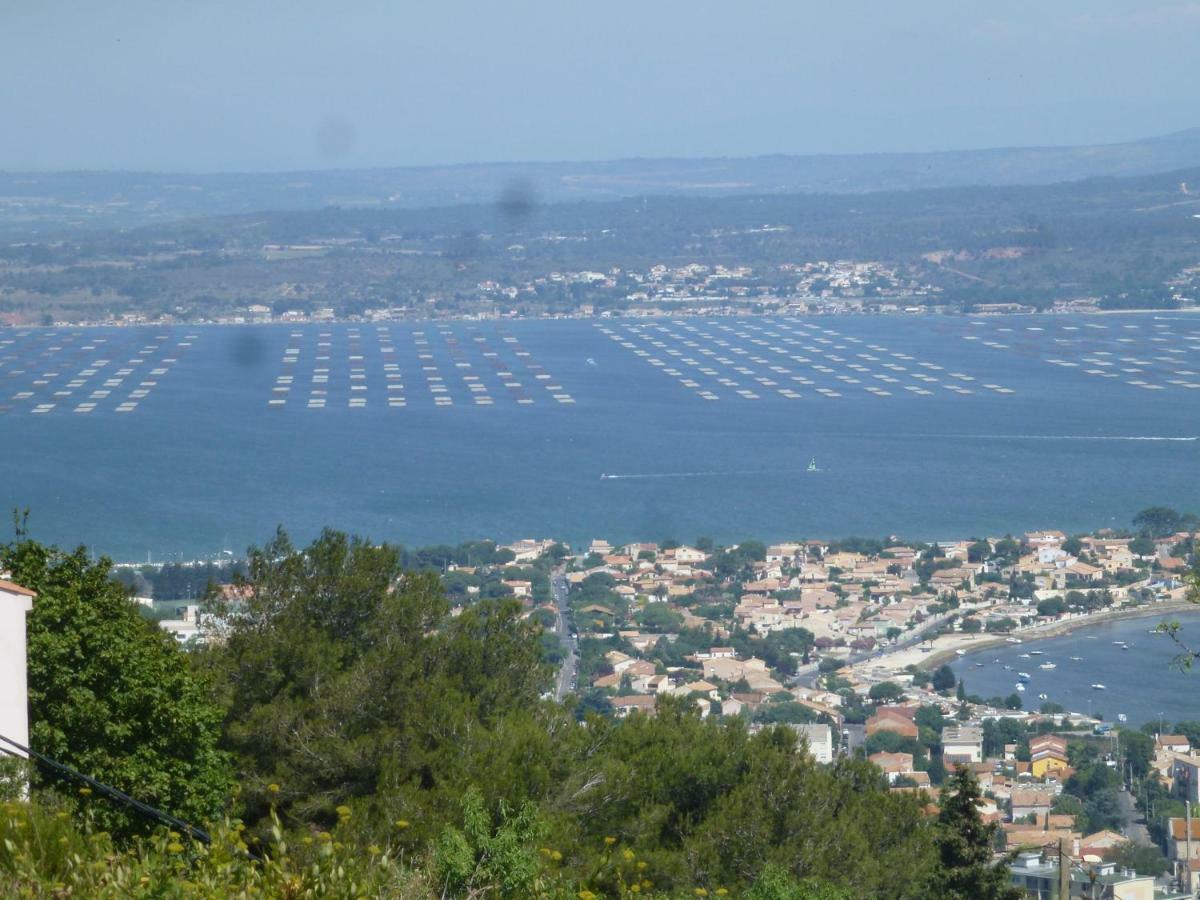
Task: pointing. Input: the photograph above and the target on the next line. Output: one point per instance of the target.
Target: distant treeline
(190, 580)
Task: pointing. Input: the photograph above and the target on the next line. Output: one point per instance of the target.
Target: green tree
(1142, 859)
(1138, 750)
(482, 857)
(346, 677)
(1052, 606)
(774, 883)
(943, 679)
(964, 845)
(979, 551)
(1158, 521)
(885, 691)
(113, 695)
(1141, 546)
(659, 617)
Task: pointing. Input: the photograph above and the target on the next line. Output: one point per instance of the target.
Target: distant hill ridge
(132, 198)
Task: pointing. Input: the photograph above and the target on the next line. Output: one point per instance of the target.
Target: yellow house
(1047, 753)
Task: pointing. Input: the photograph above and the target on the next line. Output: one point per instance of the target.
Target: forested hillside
(347, 734)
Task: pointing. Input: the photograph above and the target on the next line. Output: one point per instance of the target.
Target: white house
(820, 741)
(962, 745)
(15, 602)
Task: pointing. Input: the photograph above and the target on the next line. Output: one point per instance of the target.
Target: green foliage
(44, 852)
(1138, 750)
(482, 858)
(774, 883)
(1053, 606)
(735, 561)
(1095, 784)
(112, 695)
(930, 717)
(1190, 730)
(1141, 546)
(1142, 859)
(787, 712)
(943, 679)
(1161, 521)
(979, 551)
(998, 732)
(781, 650)
(659, 617)
(1067, 804)
(884, 741)
(345, 676)
(964, 845)
(885, 691)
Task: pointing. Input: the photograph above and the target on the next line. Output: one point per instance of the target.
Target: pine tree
(964, 845)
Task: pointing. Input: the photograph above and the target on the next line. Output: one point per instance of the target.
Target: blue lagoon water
(1139, 682)
(432, 432)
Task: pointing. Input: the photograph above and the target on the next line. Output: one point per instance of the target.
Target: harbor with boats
(1119, 670)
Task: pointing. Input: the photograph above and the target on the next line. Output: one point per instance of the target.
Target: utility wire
(148, 812)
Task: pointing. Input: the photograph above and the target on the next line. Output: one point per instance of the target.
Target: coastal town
(846, 642)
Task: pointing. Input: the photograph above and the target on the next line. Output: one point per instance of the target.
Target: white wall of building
(15, 602)
(820, 741)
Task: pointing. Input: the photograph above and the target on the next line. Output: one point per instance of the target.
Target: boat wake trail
(1187, 439)
(715, 474)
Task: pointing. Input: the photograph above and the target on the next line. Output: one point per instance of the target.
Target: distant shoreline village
(264, 315)
(651, 619)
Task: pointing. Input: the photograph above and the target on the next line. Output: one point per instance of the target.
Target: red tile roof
(11, 588)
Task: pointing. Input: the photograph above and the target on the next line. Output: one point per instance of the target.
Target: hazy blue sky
(283, 84)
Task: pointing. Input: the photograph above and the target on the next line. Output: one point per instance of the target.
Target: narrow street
(1135, 826)
(566, 674)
